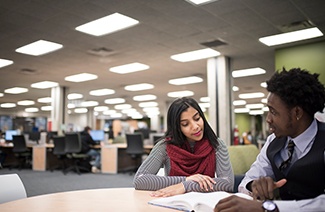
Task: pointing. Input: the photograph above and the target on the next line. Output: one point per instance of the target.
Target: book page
(199, 202)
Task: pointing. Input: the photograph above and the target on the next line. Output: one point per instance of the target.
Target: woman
(193, 157)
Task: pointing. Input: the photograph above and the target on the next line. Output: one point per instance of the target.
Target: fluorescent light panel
(1, 94)
(146, 97)
(185, 80)
(114, 101)
(46, 108)
(44, 100)
(81, 77)
(205, 99)
(102, 92)
(4, 62)
(39, 47)
(254, 106)
(89, 104)
(139, 87)
(81, 110)
(241, 110)
(72, 96)
(31, 110)
(176, 94)
(290, 37)
(16, 90)
(251, 95)
(107, 24)
(199, 2)
(148, 104)
(100, 108)
(122, 106)
(248, 72)
(44, 85)
(129, 68)
(25, 102)
(195, 55)
(8, 105)
(239, 102)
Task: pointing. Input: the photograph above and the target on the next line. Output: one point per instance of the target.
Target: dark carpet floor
(39, 182)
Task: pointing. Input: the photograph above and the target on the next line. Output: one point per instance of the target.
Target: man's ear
(299, 112)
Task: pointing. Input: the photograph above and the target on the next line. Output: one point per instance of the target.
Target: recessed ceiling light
(176, 94)
(139, 87)
(39, 47)
(4, 62)
(107, 24)
(70, 105)
(8, 105)
(31, 110)
(122, 106)
(264, 100)
(46, 108)
(291, 36)
(72, 96)
(116, 115)
(185, 80)
(241, 110)
(263, 84)
(16, 90)
(44, 100)
(148, 104)
(129, 68)
(146, 97)
(26, 102)
(81, 110)
(195, 55)
(198, 2)
(129, 111)
(81, 77)
(1, 94)
(100, 108)
(239, 102)
(204, 105)
(235, 88)
(151, 109)
(114, 101)
(44, 84)
(254, 106)
(248, 72)
(205, 99)
(102, 92)
(256, 112)
(89, 104)
(251, 95)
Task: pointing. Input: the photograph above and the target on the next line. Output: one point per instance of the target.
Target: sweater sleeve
(146, 178)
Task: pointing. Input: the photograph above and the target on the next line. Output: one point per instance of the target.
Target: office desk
(110, 200)
(115, 158)
(38, 151)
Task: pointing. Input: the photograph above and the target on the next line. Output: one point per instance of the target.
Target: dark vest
(306, 177)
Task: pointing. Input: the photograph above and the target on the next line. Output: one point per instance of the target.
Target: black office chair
(59, 152)
(135, 149)
(80, 161)
(21, 152)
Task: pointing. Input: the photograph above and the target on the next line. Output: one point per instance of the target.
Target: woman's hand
(169, 191)
(206, 182)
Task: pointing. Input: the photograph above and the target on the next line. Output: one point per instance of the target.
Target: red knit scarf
(185, 163)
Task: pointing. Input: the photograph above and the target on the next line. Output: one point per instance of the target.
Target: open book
(194, 201)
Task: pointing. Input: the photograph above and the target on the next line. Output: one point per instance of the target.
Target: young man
(291, 165)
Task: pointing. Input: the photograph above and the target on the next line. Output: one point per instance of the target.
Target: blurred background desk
(113, 199)
(115, 159)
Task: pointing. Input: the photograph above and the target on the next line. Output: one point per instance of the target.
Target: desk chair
(21, 152)
(12, 188)
(72, 150)
(59, 151)
(135, 148)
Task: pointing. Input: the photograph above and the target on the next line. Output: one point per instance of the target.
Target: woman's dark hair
(298, 87)
(174, 134)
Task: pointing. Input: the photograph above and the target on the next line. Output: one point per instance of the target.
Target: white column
(219, 92)
(155, 123)
(58, 113)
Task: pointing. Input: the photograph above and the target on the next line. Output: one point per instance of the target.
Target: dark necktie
(285, 163)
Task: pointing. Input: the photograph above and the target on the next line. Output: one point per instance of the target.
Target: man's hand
(169, 191)
(238, 204)
(263, 188)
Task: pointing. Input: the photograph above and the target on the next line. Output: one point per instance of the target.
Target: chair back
(19, 143)
(72, 143)
(12, 188)
(134, 143)
(59, 145)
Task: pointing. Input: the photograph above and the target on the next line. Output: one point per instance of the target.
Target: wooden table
(108, 200)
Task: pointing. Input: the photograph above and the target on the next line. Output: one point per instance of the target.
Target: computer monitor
(34, 136)
(9, 134)
(155, 136)
(97, 135)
